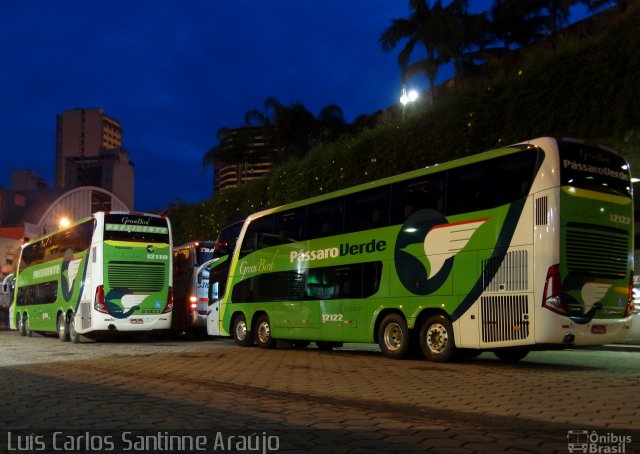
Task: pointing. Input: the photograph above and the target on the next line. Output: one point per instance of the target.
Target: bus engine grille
(504, 318)
(137, 276)
(597, 250)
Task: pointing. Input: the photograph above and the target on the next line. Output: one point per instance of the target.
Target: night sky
(174, 72)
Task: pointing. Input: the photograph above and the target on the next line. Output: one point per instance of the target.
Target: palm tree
(292, 127)
(516, 22)
(594, 5)
(425, 27)
(465, 38)
(331, 123)
(558, 16)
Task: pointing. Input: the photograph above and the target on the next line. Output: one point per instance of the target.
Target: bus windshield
(589, 167)
(227, 239)
(204, 252)
(138, 228)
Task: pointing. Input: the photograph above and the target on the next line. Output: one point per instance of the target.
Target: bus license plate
(136, 321)
(599, 329)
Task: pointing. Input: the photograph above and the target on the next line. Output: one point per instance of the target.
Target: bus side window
(218, 281)
(367, 210)
(411, 196)
(325, 218)
(289, 225)
(469, 188)
(259, 235)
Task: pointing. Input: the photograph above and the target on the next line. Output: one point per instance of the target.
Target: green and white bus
(107, 273)
(525, 247)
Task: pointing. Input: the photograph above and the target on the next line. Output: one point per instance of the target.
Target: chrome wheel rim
(61, 328)
(437, 338)
(72, 328)
(241, 330)
(393, 336)
(264, 332)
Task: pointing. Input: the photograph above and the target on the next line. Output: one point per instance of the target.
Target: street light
(64, 222)
(406, 98)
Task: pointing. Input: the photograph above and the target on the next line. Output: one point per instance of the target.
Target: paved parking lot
(351, 400)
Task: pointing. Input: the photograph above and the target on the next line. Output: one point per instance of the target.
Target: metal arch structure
(78, 203)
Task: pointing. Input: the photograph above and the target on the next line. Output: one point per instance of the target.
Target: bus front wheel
(436, 339)
(241, 335)
(63, 328)
(393, 336)
(263, 333)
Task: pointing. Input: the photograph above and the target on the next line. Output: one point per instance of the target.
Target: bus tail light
(99, 303)
(630, 305)
(552, 299)
(193, 303)
(169, 306)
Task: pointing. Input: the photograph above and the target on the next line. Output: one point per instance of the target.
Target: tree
(516, 22)
(331, 123)
(558, 16)
(465, 38)
(425, 27)
(595, 5)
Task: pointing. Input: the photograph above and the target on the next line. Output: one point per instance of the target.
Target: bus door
(218, 274)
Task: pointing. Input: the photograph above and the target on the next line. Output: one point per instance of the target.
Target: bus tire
(393, 336)
(264, 339)
(436, 339)
(25, 326)
(62, 327)
(74, 337)
(19, 328)
(241, 334)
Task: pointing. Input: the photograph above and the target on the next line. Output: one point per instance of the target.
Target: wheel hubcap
(437, 338)
(264, 332)
(393, 336)
(241, 330)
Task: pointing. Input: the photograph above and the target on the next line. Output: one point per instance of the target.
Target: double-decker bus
(190, 286)
(107, 273)
(525, 247)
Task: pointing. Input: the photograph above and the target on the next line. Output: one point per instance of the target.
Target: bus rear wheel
(26, 331)
(20, 326)
(74, 337)
(436, 339)
(241, 334)
(63, 328)
(263, 333)
(393, 336)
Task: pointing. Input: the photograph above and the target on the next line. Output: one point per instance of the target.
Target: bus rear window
(130, 227)
(589, 167)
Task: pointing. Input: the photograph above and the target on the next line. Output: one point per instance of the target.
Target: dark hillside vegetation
(588, 87)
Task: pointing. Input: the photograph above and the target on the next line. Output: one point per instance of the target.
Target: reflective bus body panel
(134, 275)
(481, 257)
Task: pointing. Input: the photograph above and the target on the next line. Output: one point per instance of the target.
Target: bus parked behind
(190, 286)
(107, 273)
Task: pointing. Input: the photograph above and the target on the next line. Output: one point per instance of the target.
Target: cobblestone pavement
(349, 400)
